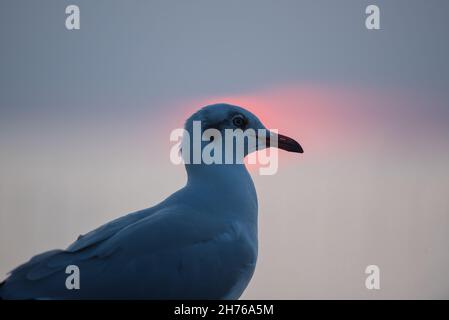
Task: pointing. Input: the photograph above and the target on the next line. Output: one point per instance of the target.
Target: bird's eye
(238, 121)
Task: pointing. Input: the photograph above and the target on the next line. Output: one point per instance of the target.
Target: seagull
(199, 243)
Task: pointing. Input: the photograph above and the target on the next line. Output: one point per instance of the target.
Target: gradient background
(85, 118)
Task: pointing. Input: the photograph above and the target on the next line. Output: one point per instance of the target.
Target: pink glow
(331, 120)
(316, 117)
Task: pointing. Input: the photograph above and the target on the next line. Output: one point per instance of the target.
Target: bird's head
(215, 123)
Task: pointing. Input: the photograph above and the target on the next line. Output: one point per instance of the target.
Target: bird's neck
(223, 175)
(226, 185)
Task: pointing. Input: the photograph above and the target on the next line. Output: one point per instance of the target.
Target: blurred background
(85, 118)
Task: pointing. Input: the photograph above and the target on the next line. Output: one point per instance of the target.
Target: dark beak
(286, 143)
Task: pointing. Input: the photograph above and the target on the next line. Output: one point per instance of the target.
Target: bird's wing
(155, 242)
(109, 229)
(93, 237)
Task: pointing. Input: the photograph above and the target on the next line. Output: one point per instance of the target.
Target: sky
(85, 119)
